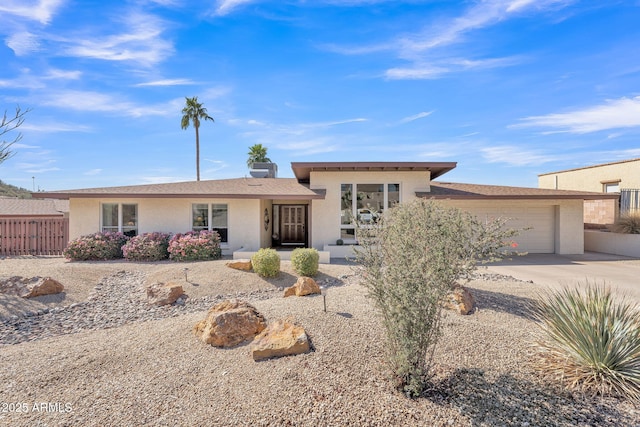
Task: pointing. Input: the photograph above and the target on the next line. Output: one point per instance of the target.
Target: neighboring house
(315, 208)
(11, 207)
(621, 178)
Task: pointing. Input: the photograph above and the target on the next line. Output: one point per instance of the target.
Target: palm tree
(192, 113)
(257, 153)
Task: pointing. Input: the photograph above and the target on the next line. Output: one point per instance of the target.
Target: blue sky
(506, 88)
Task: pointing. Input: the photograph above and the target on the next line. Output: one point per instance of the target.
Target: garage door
(539, 238)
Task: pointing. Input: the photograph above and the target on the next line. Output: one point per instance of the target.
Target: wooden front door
(292, 224)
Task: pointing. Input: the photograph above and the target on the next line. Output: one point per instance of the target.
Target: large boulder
(163, 293)
(304, 286)
(230, 323)
(281, 338)
(30, 287)
(240, 264)
(459, 300)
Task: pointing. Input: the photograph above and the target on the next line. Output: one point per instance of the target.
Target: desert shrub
(96, 247)
(589, 341)
(147, 247)
(266, 262)
(195, 246)
(412, 258)
(305, 261)
(628, 223)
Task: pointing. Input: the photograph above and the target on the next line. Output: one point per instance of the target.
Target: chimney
(264, 170)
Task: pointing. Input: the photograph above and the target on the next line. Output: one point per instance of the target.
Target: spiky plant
(589, 341)
(628, 223)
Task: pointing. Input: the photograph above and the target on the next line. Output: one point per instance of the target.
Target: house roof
(450, 190)
(10, 206)
(302, 170)
(592, 166)
(239, 188)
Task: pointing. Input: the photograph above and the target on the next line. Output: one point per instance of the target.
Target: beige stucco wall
(174, 216)
(325, 214)
(568, 228)
(591, 179)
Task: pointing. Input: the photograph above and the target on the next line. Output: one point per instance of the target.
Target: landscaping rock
(240, 264)
(163, 293)
(230, 323)
(459, 300)
(281, 338)
(30, 287)
(304, 286)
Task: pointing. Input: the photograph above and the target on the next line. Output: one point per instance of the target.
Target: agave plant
(627, 223)
(590, 341)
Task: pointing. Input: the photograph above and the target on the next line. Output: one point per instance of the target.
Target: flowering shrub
(147, 247)
(194, 246)
(98, 246)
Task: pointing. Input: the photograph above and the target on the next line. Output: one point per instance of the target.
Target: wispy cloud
(167, 82)
(416, 117)
(308, 147)
(613, 114)
(23, 43)
(38, 10)
(516, 156)
(51, 127)
(225, 7)
(93, 172)
(141, 42)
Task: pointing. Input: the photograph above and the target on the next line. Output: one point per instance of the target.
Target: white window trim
(210, 219)
(120, 213)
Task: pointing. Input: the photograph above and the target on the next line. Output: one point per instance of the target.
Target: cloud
(613, 114)
(516, 156)
(142, 42)
(23, 43)
(167, 82)
(93, 172)
(439, 67)
(310, 146)
(416, 116)
(39, 10)
(51, 127)
(227, 6)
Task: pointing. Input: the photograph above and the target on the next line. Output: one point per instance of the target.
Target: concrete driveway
(622, 274)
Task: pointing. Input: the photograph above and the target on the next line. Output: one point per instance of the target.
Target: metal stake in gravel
(186, 270)
(323, 291)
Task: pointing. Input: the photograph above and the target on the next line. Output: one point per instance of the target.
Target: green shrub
(412, 258)
(628, 224)
(195, 246)
(590, 342)
(266, 262)
(305, 261)
(96, 247)
(147, 247)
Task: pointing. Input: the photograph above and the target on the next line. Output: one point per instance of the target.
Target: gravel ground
(98, 355)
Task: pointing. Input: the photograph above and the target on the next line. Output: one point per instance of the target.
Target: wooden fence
(33, 236)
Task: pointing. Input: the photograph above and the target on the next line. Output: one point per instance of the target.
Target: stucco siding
(325, 214)
(592, 178)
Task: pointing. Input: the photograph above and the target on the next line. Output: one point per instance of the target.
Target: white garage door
(541, 221)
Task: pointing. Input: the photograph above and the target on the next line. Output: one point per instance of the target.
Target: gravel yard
(97, 355)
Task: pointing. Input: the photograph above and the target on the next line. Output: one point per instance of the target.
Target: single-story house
(315, 208)
(622, 178)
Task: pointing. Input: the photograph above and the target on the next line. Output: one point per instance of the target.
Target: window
(611, 187)
(367, 206)
(120, 217)
(210, 217)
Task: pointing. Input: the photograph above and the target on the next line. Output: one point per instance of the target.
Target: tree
(413, 257)
(193, 113)
(257, 153)
(6, 126)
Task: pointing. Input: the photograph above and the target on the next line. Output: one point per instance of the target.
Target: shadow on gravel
(513, 401)
(506, 303)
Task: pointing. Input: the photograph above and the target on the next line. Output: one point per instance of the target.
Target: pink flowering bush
(147, 247)
(195, 246)
(96, 247)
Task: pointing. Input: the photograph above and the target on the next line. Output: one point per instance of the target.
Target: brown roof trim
(459, 191)
(319, 194)
(302, 170)
(591, 167)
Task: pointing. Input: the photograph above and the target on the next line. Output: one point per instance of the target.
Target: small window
(611, 187)
(120, 218)
(210, 217)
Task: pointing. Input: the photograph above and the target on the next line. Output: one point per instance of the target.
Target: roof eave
(319, 194)
(513, 197)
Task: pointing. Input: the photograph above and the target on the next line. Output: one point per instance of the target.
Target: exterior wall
(591, 179)
(265, 235)
(612, 243)
(600, 211)
(174, 216)
(567, 228)
(324, 215)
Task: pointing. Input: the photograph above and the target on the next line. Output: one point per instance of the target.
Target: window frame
(128, 230)
(209, 226)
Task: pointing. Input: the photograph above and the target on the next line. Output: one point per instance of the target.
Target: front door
(292, 224)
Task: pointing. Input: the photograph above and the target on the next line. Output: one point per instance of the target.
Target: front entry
(293, 225)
